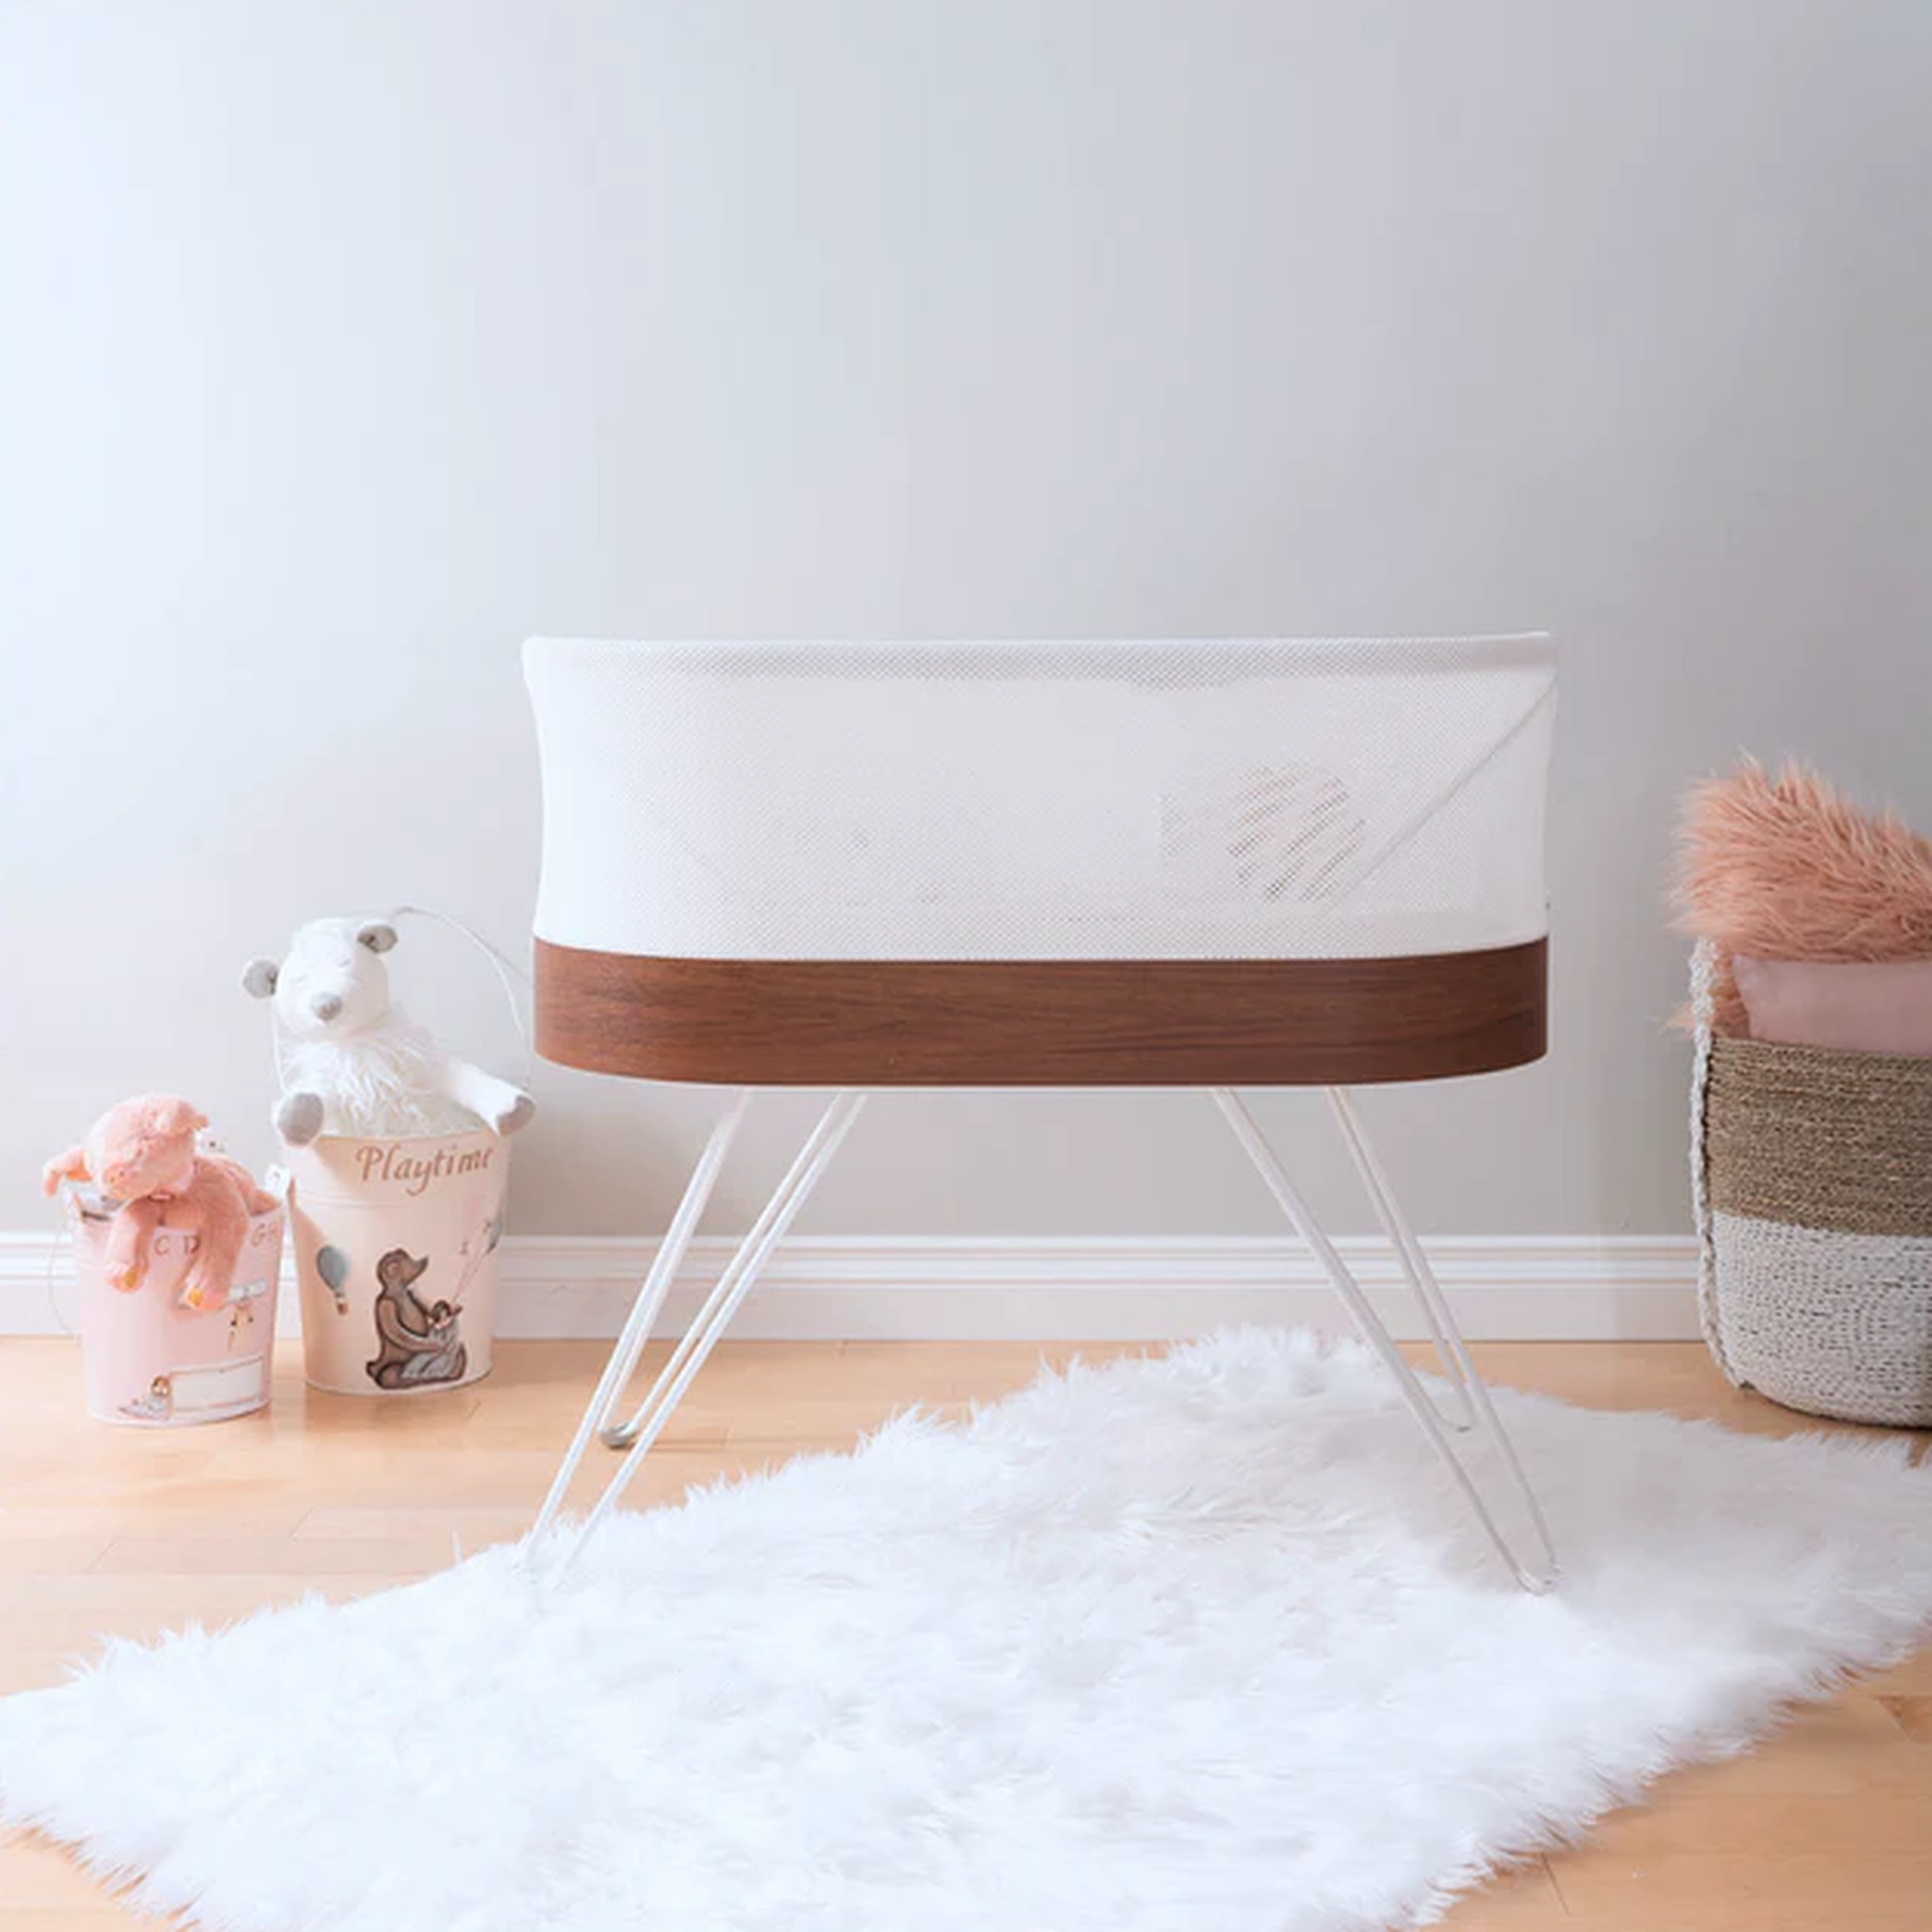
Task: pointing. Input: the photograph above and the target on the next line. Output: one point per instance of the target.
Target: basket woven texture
(1813, 1175)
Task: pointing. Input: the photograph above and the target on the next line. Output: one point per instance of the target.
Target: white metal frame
(1472, 1413)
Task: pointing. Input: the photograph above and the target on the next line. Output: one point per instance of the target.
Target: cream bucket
(396, 1256)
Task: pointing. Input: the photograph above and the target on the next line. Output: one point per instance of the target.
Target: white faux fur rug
(1198, 1645)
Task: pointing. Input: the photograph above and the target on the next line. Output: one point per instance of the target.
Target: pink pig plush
(143, 1154)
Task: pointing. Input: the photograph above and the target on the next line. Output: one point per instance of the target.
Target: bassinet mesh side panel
(1253, 799)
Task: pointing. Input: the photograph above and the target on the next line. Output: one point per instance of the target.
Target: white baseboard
(1505, 1287)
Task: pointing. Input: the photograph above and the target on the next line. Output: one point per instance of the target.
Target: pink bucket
(396, 1253)
(152, 1363)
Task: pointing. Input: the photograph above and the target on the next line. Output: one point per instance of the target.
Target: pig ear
(177, 1115)
(378, 935)
(259, 978)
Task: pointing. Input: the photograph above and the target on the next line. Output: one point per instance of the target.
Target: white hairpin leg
(644, 1312)
(1441, 1321)
(707, 1327)
(1458, 1370)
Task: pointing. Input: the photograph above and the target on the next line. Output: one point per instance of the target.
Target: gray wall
(343, 344)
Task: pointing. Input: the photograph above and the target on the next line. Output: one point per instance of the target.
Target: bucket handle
(508, 975)
(63, 1239)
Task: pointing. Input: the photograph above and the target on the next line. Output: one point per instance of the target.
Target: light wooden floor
(1829, 1825)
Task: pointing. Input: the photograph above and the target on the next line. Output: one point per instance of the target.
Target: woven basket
(1812, 1171)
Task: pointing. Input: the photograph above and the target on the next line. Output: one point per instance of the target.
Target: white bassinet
(1251, 799)
(1208, 863)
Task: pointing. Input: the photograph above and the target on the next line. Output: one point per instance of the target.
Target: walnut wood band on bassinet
(1041, 1022)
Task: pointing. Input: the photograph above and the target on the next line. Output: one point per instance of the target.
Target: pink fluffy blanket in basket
(1786, 867)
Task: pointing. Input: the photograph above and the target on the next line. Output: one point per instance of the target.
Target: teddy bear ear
(378, 935)
(259, 978)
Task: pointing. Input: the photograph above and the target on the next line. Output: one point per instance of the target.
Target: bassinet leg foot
(644, 1312)
(1442, 1322)
(726, 1297)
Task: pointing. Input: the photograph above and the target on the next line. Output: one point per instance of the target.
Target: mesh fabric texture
(1252, 798)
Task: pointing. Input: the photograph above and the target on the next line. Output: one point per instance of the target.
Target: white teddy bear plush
(353, 1064)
